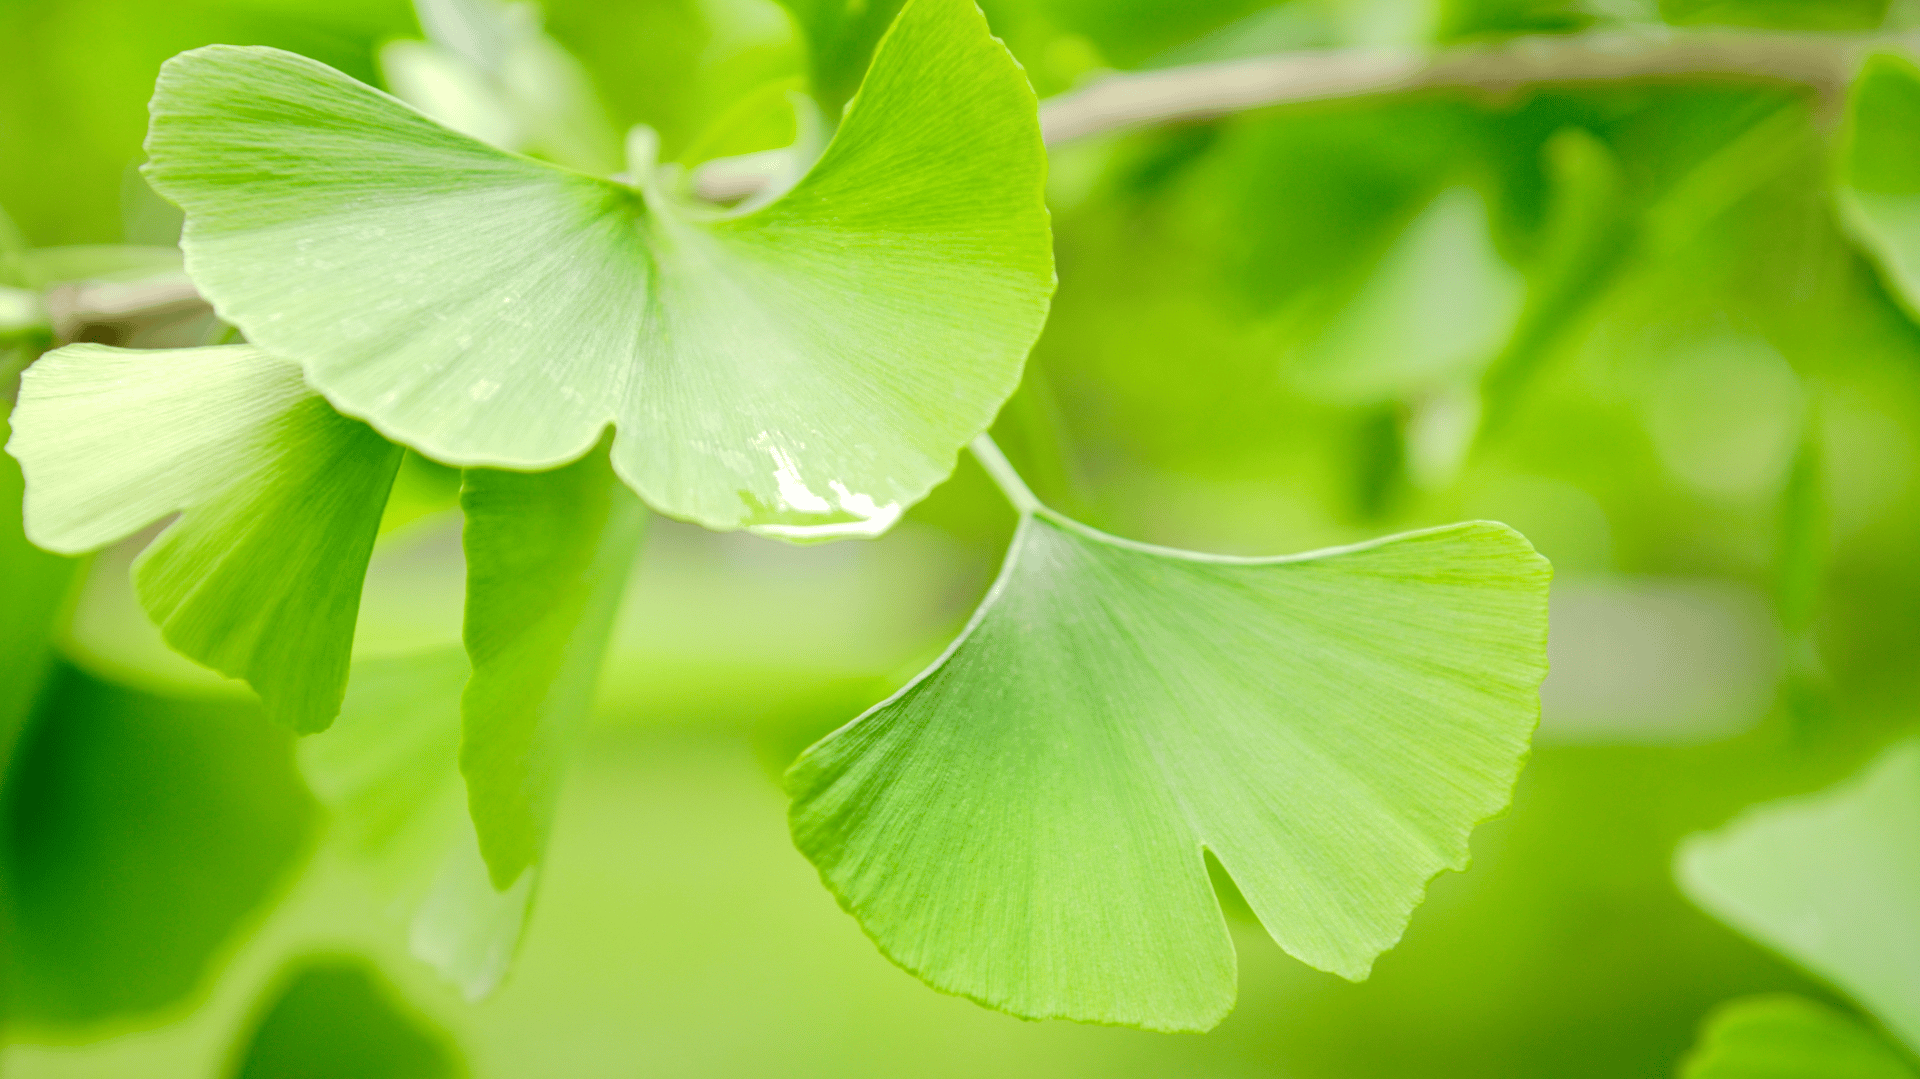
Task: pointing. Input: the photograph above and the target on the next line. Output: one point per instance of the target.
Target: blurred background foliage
(1625, 318)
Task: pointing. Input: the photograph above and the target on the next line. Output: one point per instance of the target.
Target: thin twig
(1824, 62)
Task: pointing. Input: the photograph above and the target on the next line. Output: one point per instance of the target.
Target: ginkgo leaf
(1879, 191)
(279, 499)
(490, 72)
(1025, 823)
(809, 367)
(547, 561)
(1788, 1037)
(388, 773)
(1831, 881)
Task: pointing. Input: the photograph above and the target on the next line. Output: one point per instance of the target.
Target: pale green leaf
(1437, 309)
(1788, 1037)
(809, 367)
(388, 772)
(279, 498)
(547, 561)
(490, 72)
(1831, 881)
(1025, 823)
(1879, 192)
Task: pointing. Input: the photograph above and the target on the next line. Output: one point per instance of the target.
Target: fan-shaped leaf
(547, 561)
(1831, 881)
(809, 367)
(389, 773)
(279, 499)
(1025, 823)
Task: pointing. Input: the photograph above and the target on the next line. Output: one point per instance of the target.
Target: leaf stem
(1005, 476)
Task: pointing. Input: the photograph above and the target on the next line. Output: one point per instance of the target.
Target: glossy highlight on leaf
(279, 499)
(547, 561)
(1831, 881)
(809, 368)
(1025, 823)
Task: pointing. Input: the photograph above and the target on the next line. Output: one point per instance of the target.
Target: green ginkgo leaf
(809, 367)
(279, 499)
(547, 561)
(1789, 1037)
(1025, 824)
(388, 773)
(1831, 881)
(1879, 189)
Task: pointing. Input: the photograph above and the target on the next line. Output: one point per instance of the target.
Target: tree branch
(1824, 62)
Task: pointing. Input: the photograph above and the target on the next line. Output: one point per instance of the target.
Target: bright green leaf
(388, 773)
(1788, 1037)
(1024, 823)
(547, 561)
(1880, 171)
(809, 367)
(1832, 881)
(279, 499)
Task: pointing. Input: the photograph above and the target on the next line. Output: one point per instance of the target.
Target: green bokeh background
(1705, 390)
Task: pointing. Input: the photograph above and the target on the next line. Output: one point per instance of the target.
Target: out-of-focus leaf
(388, 774)
(279, 495)
(1831, 881)
(1437, 308)
(1585, 236)
(1025, 823)
(808, 368)
(1879, 190)
(1778, 14)
(547, 561)
(1787, 1037)
(840, 36)
(490, 72)
(141, 833)
(1311, 199)
(35, 585)
(335, 1016)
